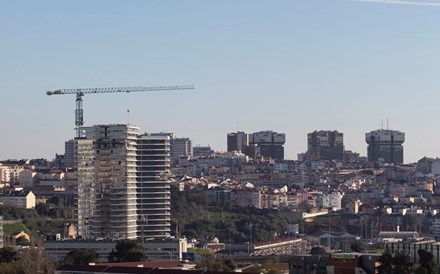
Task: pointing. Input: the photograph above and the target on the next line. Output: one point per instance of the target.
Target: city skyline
(256, 65)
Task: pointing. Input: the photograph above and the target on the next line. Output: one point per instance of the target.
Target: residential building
(270, 143)
(123, 189)
(385, 146)
(153, 186)
(27, 177)
(69, 153)
(352, 263)
(309, 263)
(21, 234)
(181, 147)
(237, 141)
(202, 151)
(86, 187)
(325, 145)
(9, 173)
(106, 191)
(19, 199)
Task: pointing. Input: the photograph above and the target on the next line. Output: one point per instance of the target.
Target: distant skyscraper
(181, 147)
(269, 143)
(325, 145)
(106, 190)
(386, 145)
(237, 141)
(153, 186)
(69, 153)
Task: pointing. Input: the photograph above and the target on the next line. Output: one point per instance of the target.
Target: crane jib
(79, 92)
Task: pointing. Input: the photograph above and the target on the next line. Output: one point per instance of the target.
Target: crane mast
(79, 111)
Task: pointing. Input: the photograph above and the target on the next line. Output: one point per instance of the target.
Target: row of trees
(125, 251)
(400, 263)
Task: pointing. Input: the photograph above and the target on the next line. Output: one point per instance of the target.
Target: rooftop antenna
(387, 125)
(381, 124)
(128, 116)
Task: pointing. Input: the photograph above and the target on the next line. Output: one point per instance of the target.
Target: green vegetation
(38, 222)
(195, 217)
(81, 256)
(394, 263)
(211, 263)
(14, 227)
(426, 262)
(127, 251)
(27, 261)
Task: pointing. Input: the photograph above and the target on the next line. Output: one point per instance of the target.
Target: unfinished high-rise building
(123, 189)
(106, 190)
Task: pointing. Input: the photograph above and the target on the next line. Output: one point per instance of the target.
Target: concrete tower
(269, 144)
(325, 145)
(237, 141)
(385, 146)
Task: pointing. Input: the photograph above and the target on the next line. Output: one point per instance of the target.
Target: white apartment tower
(153, 186)
(106, 190)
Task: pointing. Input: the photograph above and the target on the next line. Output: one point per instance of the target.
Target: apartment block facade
(269, 144)
(385, 146)
(237, 141)
(325, 145)
(153, 186)
(123, 190)
(106, 190)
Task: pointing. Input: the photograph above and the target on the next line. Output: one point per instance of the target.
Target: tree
(426, 260)
(81, 256)
(402, 263)
(7, 254)
(386, 263)
(31, 260)
(421, 270)
(22, 241)
(359, 246)
(210, 262)
(318, 250)
(128, 251)
(229, 265)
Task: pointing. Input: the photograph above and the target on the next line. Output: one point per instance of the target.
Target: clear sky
(292, 66)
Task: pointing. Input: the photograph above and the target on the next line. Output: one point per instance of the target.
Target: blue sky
(291, 66)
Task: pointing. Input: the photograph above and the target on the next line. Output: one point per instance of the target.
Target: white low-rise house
(19, 199)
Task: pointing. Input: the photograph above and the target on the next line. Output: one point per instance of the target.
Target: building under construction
(123, 191)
